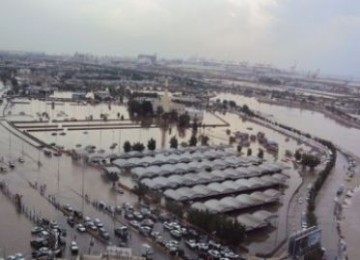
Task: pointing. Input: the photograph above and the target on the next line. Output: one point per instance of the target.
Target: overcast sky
(322, 34)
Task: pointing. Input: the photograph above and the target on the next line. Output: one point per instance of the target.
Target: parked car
(138, 215)
(214, 245)
(148, 222)
(74, 248)
(90, 226)
(154, 234)
(98, 223)
(176, 233)
(340, 190)
(36, 230)
(134, 223)
(145, 231)
(11, 165)
(105, 235)
(19, 256)
(121, 231)
(80, 228)
(203, 246)
(214, 253)
(42, 252)
(39, 243)
(191, 243)
(129, 216)
(71, 221)
(147, 251)
(110, 210)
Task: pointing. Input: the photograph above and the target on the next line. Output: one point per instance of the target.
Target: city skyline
(313, 35)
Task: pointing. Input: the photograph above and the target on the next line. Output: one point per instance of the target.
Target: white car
(191, 243)
(80, 228)
(74, 248)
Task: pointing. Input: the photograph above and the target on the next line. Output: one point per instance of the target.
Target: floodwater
(312, 122)
(102, 139)
(64, 178)
(345, 137)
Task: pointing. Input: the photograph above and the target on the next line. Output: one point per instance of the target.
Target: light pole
(82, 186)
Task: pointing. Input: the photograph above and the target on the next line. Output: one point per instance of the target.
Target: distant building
(78, 95)
(102, 95)
(39, 91)
(146, 59)
(165, 100)
(195, 113)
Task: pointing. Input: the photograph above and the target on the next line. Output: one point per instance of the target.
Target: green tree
(232, 140)
(297, 155)
(194, 127)
(261, 153)
(249, 152)
(227, 229)
(127, 147)
(114, 177)
(174, 208)
(239, 148)
(183, 120)
(159, 110)
(204, 140)
(232, 104)
(310, 160)
(151, 144)
(193, 141)
(174, 142)
(138, 147)
(245, 109)
(140, 190)
(184, 144)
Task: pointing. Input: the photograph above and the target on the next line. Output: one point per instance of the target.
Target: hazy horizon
(320, 34)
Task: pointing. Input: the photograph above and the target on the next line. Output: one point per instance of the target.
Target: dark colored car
(39, 243)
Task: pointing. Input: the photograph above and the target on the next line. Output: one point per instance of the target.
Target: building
(146, 59)
(195, 113)
(78, 96)
(165, 100)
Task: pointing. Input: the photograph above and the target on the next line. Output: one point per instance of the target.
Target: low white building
(195, 113)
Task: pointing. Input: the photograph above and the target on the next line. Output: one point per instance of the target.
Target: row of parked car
(145, 218)
(49, 240)
(204, 247)
(17, 256)
(95, 227)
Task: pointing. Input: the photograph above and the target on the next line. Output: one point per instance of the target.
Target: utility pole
(82, 187)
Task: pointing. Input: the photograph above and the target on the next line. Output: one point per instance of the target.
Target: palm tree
(127, 147)
(140, 190)
(174, 142)
(151, 144)
(249, 152)
(193, 141)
